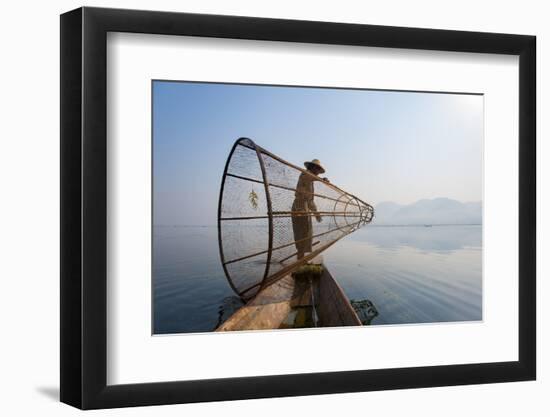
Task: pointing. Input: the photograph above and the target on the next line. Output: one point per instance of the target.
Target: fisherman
(304, 206)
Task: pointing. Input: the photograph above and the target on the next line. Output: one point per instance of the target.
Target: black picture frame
(84, 207)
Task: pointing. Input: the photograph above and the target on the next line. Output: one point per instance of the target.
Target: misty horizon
(378, 215)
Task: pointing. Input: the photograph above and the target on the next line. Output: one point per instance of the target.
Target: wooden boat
(295, 302)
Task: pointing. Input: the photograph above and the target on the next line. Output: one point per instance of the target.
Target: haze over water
(412, 274)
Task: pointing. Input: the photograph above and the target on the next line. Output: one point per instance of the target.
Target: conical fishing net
(274, 216)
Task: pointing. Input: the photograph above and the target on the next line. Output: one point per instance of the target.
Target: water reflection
(413, 274)
(433, 238)
(410, 275)
(189, 285)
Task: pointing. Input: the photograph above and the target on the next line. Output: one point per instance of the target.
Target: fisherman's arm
(313, 207)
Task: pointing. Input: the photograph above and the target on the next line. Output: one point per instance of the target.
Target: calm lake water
(411, 275)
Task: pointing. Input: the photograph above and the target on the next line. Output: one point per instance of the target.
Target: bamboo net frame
(261, 233)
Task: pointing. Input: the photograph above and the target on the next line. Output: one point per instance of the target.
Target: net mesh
(274, 216)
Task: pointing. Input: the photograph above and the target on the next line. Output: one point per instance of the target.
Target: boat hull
(295, 303)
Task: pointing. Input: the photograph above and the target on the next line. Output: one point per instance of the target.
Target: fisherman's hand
(325, 179)
(319, 218)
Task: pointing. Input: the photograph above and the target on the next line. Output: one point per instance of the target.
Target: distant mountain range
(428, 212)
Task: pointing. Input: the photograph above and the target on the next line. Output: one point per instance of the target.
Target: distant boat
(427, 225)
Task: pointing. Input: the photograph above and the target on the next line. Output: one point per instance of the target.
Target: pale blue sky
(378, 145)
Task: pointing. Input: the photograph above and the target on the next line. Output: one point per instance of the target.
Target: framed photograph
(257, 208)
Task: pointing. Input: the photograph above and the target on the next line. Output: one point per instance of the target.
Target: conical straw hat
(314, 162)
